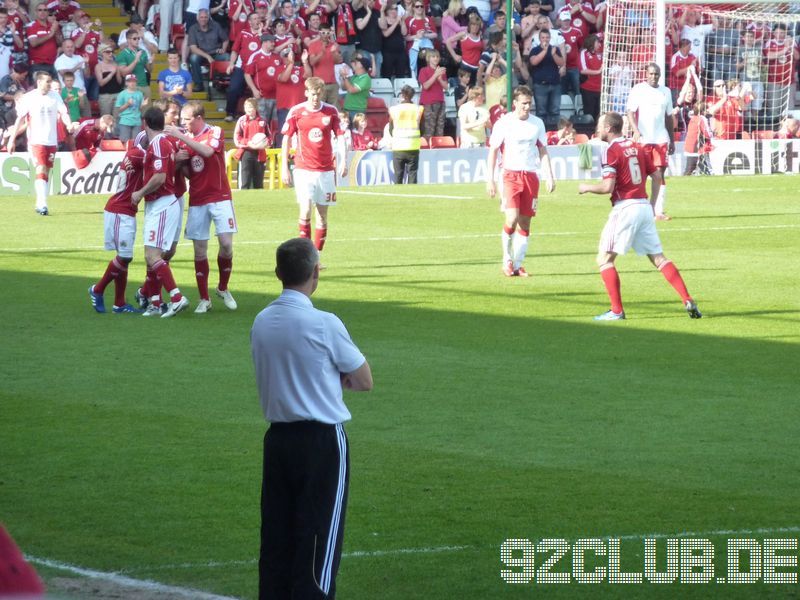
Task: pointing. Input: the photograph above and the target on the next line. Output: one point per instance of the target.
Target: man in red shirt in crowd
(246, 43)
(119, 220)
(209, 200)
(726, 107)
(162, 215)
(261, 74)
(679, 67)
(626, 167)
(573, 42)
(779, 55)
(324, 55)
(44, 38)
(87, 41)
(290, 86)
(316, 124)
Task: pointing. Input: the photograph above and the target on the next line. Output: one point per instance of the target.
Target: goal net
(749, 46)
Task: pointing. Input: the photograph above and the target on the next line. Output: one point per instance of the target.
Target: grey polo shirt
(209, 40)
(299, 353)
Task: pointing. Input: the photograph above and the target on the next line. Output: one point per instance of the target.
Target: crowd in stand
(719, 70)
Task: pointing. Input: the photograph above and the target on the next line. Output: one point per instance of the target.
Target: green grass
(500, 410)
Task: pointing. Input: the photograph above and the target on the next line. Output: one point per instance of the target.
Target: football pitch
(131, 448)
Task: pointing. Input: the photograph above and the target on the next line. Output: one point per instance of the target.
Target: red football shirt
(88, 49)
(87, 137)
(471, 50)
(160, 158)
(630, 165)
(779, 70)
(573, 39)
(264, 69)
(678, 63)
(208, 179)
(292, 91)
(43, 54)
(63, 12)
(414, 25)
(246, 43)
(244, 131)
(315, 130)
(129, 180)
(240, 24)
(591, 61)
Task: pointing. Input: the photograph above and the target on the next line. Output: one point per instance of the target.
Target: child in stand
(433, 81)
(697, 144)
(251, 154)
(129, 104)
(565, 136)
(362, 137)
(344, 121)
(74, 98)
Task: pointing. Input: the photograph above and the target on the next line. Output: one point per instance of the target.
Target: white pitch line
(400, 196)
(122, 580)
(417, 238)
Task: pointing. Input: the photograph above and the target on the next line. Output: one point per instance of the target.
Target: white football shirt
(520, 141)
(653, 105)
(43, 112)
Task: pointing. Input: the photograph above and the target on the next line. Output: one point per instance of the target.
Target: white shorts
(178, 230)
(161, 219)
(318, 187)
(120, 233)
(198, 222)
(630, 225)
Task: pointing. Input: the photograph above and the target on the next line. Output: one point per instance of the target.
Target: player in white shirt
(650, 117)
(523, 140)
(40, 109)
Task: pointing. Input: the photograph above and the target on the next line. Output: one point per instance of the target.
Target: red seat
(218, 76)
(178, 35)
(423, 143)
(581, 138)
(442, 141)
(112, 146)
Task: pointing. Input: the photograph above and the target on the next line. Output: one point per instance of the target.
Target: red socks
(120, 283)
(611, 280)
(201, 270)
(112, 272)
(164, 274)
(671, 274)
(305, 228)
(225, 266)
(319, 238)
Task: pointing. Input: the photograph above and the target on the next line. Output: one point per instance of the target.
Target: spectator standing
(87, 38)
(722, 46)
(473, 118)
(679, 67)
(484, 8)
(591, 73)
(779, 54)
(261, 74)
(18, 20)
(171, 12)
(454, 19)
(44, 36)
(749, 67)
(693, 29)
(12, 84)
(129, 108)
(581, 15)
(323, 56)
(249, 152)
(472, 47)
(433, 83)
(64, 12)
(290, 86)
(323, 8)
(573, 42)
(727, 109)
(133, 60)
(246, 43)
(284, 39)
(207, 43)
(393, 46)
(69, 62)
(420, 33)
(148, 41)
(312, 31)
(404, 119)
(109, 79)
(545, 61)
(8, 41)
(238, 13)
(295, 25)
(368, 31)
(174, 82)
(357, 85)
(344, 27)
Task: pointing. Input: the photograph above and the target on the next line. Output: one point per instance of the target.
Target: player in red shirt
(119, 220)
(626, 167)
(209, 200)
(316, 124)
(162, 215)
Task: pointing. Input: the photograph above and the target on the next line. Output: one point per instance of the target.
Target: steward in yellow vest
(405, 119)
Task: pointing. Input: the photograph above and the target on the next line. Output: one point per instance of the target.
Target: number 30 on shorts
(330, 197)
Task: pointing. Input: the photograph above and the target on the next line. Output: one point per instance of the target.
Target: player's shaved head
(295, 260)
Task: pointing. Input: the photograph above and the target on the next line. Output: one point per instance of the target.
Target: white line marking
(442, 549)
(401, 196)
(415, 238)
(124, 581)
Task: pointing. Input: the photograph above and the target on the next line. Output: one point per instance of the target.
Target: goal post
(748, 45)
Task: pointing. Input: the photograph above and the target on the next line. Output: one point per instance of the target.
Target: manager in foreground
(303, 359)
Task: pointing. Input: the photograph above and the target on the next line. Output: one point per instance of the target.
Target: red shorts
(43, 156)
(657, 154)
(521, 189)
